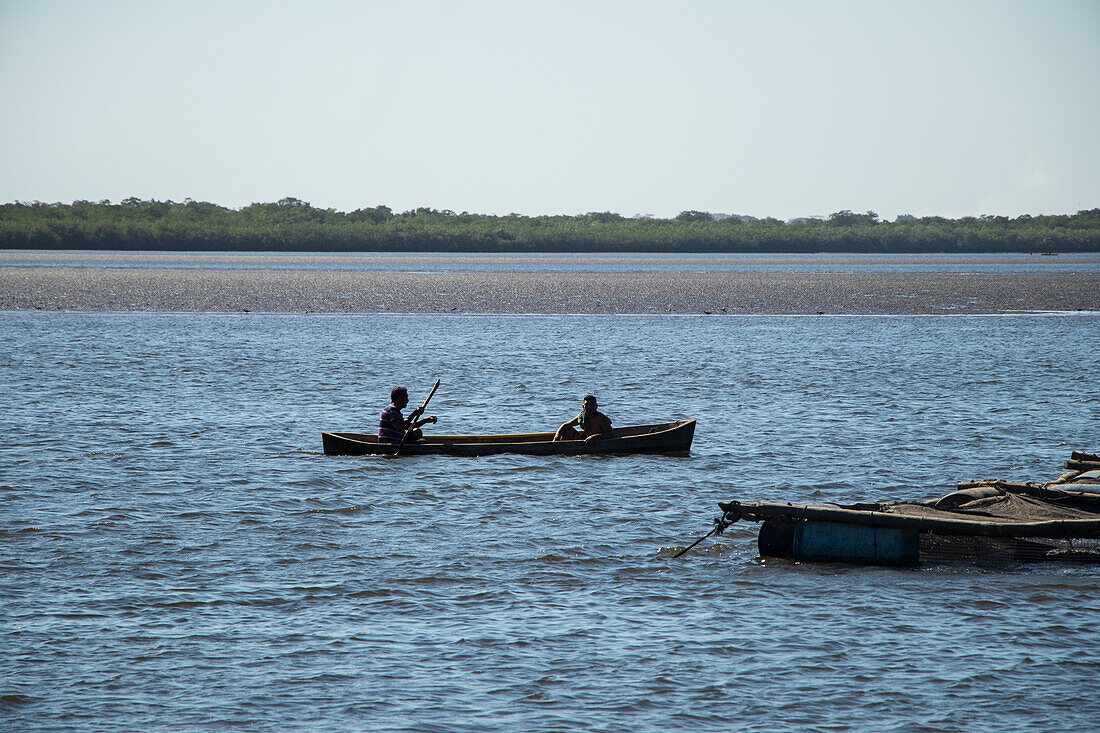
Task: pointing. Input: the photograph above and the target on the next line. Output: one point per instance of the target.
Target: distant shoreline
(292, 225)
(356, 291)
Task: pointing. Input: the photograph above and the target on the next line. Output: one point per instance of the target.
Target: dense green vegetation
(294, 225)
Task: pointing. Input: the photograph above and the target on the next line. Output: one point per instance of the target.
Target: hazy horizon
(785, 110)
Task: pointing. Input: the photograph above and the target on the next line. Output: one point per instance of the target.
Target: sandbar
(354, 291)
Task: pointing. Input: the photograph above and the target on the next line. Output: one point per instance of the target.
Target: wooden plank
(1051, 528)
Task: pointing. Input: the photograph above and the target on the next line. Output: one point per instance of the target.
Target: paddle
(412, 418)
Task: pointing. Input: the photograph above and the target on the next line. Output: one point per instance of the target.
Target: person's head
(589, 403)
(399, 396)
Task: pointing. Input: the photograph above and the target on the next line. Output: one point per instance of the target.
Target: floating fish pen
(988, 520)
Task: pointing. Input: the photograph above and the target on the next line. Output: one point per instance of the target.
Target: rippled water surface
(178, 555)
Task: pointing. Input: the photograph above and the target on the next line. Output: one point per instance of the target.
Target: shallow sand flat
(282, 291)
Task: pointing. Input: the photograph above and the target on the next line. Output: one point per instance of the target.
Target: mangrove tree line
(294, 225)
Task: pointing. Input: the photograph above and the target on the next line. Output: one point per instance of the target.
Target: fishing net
(939, 548)
(989, 520)
(995, 504)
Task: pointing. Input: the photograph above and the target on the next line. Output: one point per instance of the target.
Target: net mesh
(1073, 496)
(938, 548)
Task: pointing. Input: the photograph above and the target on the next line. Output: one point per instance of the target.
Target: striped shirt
(391, 425)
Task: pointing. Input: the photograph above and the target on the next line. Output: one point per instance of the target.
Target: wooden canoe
(673, 437)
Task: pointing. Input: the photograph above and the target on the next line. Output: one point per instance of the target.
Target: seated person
(593, 424)
(392, 426)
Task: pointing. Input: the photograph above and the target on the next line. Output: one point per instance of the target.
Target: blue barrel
(854, 543)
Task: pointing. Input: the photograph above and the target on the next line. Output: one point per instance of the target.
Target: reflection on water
(178, 554)
(632, 262)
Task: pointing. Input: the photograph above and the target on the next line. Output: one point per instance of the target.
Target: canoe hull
(673, 437)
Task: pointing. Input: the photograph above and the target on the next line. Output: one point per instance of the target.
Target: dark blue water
(999, 263)
(177, 554)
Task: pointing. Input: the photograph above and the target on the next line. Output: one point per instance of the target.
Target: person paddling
(593, 424)
(392, 426)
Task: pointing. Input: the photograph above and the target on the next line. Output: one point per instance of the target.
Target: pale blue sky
(765, 108)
